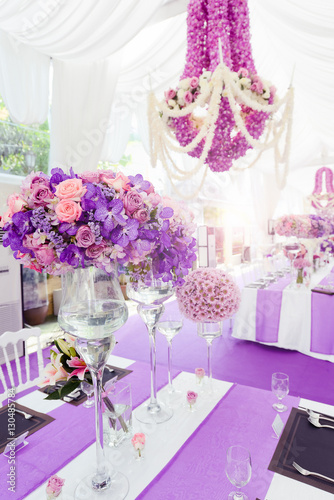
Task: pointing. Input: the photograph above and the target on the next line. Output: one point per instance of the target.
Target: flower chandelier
(232, 102)
(323, 203)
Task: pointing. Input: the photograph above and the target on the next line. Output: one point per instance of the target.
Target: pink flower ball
(208, 294)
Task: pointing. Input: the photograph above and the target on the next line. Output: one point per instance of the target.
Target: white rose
(184, 84)
(180, 94)
(171, 103)
(206, 74)
(245, 82)
(266, 93)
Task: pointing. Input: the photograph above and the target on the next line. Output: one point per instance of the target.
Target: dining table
(184, 457)
(290, 316)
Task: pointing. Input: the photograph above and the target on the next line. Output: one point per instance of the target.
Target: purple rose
(141, 215)
(85, 237)
(188, 97)
(41, 195)
(94, 251)
(170, 94)
(132, 201)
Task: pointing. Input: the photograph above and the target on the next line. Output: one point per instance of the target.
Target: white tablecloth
(295, 317)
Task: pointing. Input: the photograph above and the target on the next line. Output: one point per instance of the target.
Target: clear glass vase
(150, 295)
(92, 308)
(210, 330)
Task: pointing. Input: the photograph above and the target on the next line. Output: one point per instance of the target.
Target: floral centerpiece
(208, 294)
(64, 221)
(303, 226)
(300, 263)
(61, 222)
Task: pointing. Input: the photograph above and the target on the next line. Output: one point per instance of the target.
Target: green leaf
(65, 390)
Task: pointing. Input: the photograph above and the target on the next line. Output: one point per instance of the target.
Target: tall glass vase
(210, 330)
(92, 308)
(150, 296)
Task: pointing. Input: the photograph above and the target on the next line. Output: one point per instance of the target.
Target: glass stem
(170, 383)
(151, 332)
(209, 344)
(101, 477)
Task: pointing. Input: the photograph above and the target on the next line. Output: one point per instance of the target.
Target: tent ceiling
(290, 37)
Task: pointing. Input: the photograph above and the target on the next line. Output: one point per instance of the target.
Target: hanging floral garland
(220, 77)
(323, 202)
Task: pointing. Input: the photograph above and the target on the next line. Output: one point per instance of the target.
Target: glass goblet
(88, 389)
(280, 387)
(169, 325)
(238, 470)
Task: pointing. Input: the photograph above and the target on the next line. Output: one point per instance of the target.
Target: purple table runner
(322, 322)
(268, 311)
(52, 447)
(244, 416)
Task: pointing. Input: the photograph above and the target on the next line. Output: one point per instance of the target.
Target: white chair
(8, 344)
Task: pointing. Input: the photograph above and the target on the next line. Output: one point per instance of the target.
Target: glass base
(171, 398)
(279, 407)
(158, 413)
(89, 403)
(116, 489)
(237, 495)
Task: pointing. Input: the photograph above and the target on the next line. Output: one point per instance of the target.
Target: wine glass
(238, 470)
(280, 387)
(150, 295)
(92, 309)
(88, 389)
(169, 325)
(209, 330)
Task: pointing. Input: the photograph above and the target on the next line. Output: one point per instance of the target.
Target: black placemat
(321, 290)
(21, 424)
(310, 447)
(81, 398)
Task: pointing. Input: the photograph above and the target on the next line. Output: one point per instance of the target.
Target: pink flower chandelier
(220, 76)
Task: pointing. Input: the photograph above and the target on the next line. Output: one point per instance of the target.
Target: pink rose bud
(199, 372)
(191, 397)
(243, 73)
(138, 442)
(170, 94)
(54, 486)
(194, 81)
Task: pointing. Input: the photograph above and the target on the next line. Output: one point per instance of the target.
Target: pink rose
(15, 203)
(257, 87)
(194, 81)
(90, 176)
(191, 397)
(55, 485)
(141, 215)
(154, 199)
(188, 97)
(170, 94)
(30, 242)
(119, 182)
(68, 210)
(85, 237)
(94, 251)
(45, 256)
(243, 72)
(132, 201)
(40, 195)
(138, 441)
(7, 217)
(70, 189)
(273, 91)
(199, 372)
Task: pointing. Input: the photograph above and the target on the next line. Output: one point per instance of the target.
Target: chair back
(20, 374)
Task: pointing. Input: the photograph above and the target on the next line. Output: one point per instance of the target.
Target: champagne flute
(280, 387)
(238, 470)
(88, 389)
(169, 325)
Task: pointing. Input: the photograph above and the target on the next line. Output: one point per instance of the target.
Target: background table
(282, 316)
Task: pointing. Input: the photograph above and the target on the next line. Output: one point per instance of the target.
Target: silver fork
(27, 416)
(318, 416)
(305, 472)
(315, 421)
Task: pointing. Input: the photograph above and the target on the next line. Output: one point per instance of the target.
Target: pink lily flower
(80, 366)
